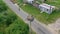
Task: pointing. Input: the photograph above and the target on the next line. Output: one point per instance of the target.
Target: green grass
(42, 17)
(54, 2)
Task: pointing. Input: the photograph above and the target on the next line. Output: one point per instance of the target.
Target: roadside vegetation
(10, 23)
(42, 17)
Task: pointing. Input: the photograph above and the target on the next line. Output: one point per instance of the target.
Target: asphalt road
(36, 25)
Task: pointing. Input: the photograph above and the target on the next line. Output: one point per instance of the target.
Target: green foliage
(3, 7)
(7, 17)
(10, 23)
(10, 18)
(1, 32)
(18, 27)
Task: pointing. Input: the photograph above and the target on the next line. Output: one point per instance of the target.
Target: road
(36, 25)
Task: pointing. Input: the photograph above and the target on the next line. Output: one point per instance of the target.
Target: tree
(10, 18)
(3, 6)
(18, 27)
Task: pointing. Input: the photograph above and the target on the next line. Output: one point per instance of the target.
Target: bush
(18, 27)
(3, 6)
